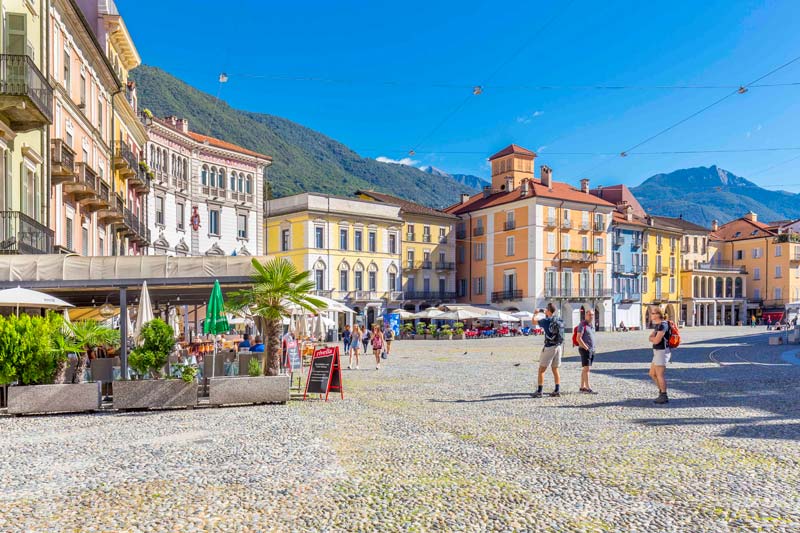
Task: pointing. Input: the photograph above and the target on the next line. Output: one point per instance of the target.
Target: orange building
(526, 241)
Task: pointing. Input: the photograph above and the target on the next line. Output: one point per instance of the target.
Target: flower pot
(248, 389)
(154, 394)
(66, 398)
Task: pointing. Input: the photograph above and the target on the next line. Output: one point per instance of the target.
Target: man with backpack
(553, 349)
(583, 338)
(664, 338)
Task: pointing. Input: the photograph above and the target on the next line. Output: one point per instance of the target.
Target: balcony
(445, 265)
(477, 232)
(509, 225)
(550, 222)
(617, 240)
(135, 229)
(599, 226)
(101, 199)
(585, 226)
(724, 266)
(113, 214)
(393, 296)
(442, 240)
(362, 296)
(578, 256)
(787, 237)
(672, 250)
(26, 98)
(566, 223)
(637, 243)
(576, 294)
(125, 160)
(426, 237)
(794, 257)
(21, 234)
(461, 234)
(645, 245)
(180, 183)
(430, 295)
(238, 196)
(629, 297)
(501, 296)
(412, 265)
(426, 265)
(84, 185)
(325, 293)
(624, 270)
(62, 162)
(663, 271)
(410, 236)
(139, 180)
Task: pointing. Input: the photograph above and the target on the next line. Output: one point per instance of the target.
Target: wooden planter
(248, 389)
(154, 394)
(40, 399)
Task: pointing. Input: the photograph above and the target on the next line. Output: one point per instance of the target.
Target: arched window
(738, 288)
(319, 276)
(213, 178)
(172, 162)
(185, 169)
(241, 183)
(221, 179)
(204, 175)
(729, 287)
(152, 156)
(718, 291)
(233, 181)
(248, 184)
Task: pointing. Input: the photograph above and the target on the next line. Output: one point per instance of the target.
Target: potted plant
(432, 330)
(149, 360)
(277, 288)
(420, 331)
(446, 332)
(34, 354)
(459, 330)
(408, 330)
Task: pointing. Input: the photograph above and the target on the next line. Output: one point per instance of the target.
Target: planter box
(69, 398)
(154, 394)
(247, 389)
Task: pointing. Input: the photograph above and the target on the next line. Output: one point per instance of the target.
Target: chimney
(524, 188)
(509, 183)
(585, 185)
(464, 197)
(752, 217)
(487, 191)
(183, 125)
(650, 221)
(546, 176)
(172, 119)
(628, 212)
(714, 225)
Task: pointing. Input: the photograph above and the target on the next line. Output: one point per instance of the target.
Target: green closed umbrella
(216, 321)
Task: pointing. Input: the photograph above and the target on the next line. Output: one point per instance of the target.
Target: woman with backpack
(377, 346)
(355, 346)
(366, 337)
(659, 338)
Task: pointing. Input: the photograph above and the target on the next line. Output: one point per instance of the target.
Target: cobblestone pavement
(445, 437)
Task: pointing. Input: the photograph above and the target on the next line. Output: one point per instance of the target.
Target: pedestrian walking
(366, 337)
(347, 335)
(659, 338)
(553, 349)
(753, 320)
(769, 322)
(355, 346)
(388, 337)
(377, 345)
(586, 349)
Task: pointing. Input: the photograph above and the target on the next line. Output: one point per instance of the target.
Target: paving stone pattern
(441, 440)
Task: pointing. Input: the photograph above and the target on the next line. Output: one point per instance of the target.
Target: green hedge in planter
(157, 343)
(27, 352)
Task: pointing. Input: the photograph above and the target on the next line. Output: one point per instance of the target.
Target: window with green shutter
(16, 41)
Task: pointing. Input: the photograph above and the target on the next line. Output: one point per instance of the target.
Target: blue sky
(384, 75)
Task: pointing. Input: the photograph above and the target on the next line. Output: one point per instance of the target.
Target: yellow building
(428, 249)
(661, 268)
(26, 111)
(350, 246)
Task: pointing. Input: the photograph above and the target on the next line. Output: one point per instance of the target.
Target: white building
(208, 194)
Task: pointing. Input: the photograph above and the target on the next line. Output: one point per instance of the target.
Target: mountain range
(303, 159)
(704, 194)
(474, 182)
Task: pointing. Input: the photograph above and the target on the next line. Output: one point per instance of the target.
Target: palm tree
(278, 286)
(88, 335)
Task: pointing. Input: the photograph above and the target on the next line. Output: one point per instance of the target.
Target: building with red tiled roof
(207, 194)
(525, 241)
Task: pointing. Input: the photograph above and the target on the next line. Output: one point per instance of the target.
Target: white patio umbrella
(499, 316)
(144, 314)
(525, 316)
(318, 328)
(404, 315)
(19, 297)
(430, 312)
(302, 326)
(328, 305)
(174, 321)
(459, 315)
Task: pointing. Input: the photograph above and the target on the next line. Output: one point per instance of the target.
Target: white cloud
(542, 148)
(526, 119)
(404, 161)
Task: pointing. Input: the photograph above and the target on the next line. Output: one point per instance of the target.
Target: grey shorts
(551, 356)
(661, 357)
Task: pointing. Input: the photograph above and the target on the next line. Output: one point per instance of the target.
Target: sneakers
(357, 367)
(555, 394)
(662, 398)
(537, 394)
(587, 391)
(377, 367)
(349, 367)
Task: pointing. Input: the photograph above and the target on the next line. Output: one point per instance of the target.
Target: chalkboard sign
(325, 373)
(293, 359)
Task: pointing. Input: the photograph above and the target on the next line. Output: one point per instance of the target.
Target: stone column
(722, 315)
(714, 314)
(693, 318)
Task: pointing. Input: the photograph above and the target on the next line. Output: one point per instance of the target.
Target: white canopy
(144, 313)
(404, 315)
(499, 316)
(459, 314)
(330, 305)
(526, 316)
(430, 312)
(19, 297)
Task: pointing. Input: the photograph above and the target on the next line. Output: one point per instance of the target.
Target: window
(180, 215)
(248, 185)
(778, 271)
(551, 214)
(83, 90)
(68, 232)
(319, 237)
(359, 280)
(372, 236)
(462, 255)
(284, 240)
(372, 281)
(671, 284)
(442, 235)
(644, 284)
(739, 255)
(510, 220)
(599, 222)
(756, 273)
(100, 116)
(565, 242)
(85, 240)
(462, 287)
(672, 264)
(598, 246)
(213, 222)
(241, 226)
(221, 179)
(204, 175)
(410, 232)
(343, 239)
(756, 294)
(777, 251)
(101, 250)
(319, 279)
(756, 253)
(233, 181)
(392, 243)
(67, 71)
(510, 246)
(585, 218)
(410, 258)
(478, 285)
(358, 240)
(213, 177)
(478, 251)
(160, 210)
(241, 183)
(410, 283)
(551, 243)
(426, 233)
(778, 293)
(342, 279)
(566, 214)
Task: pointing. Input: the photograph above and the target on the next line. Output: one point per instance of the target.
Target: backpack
(576, 334)
(674, 333)
(389, 334)
(554, 333)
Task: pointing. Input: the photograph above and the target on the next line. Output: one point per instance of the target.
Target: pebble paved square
(445, 437)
